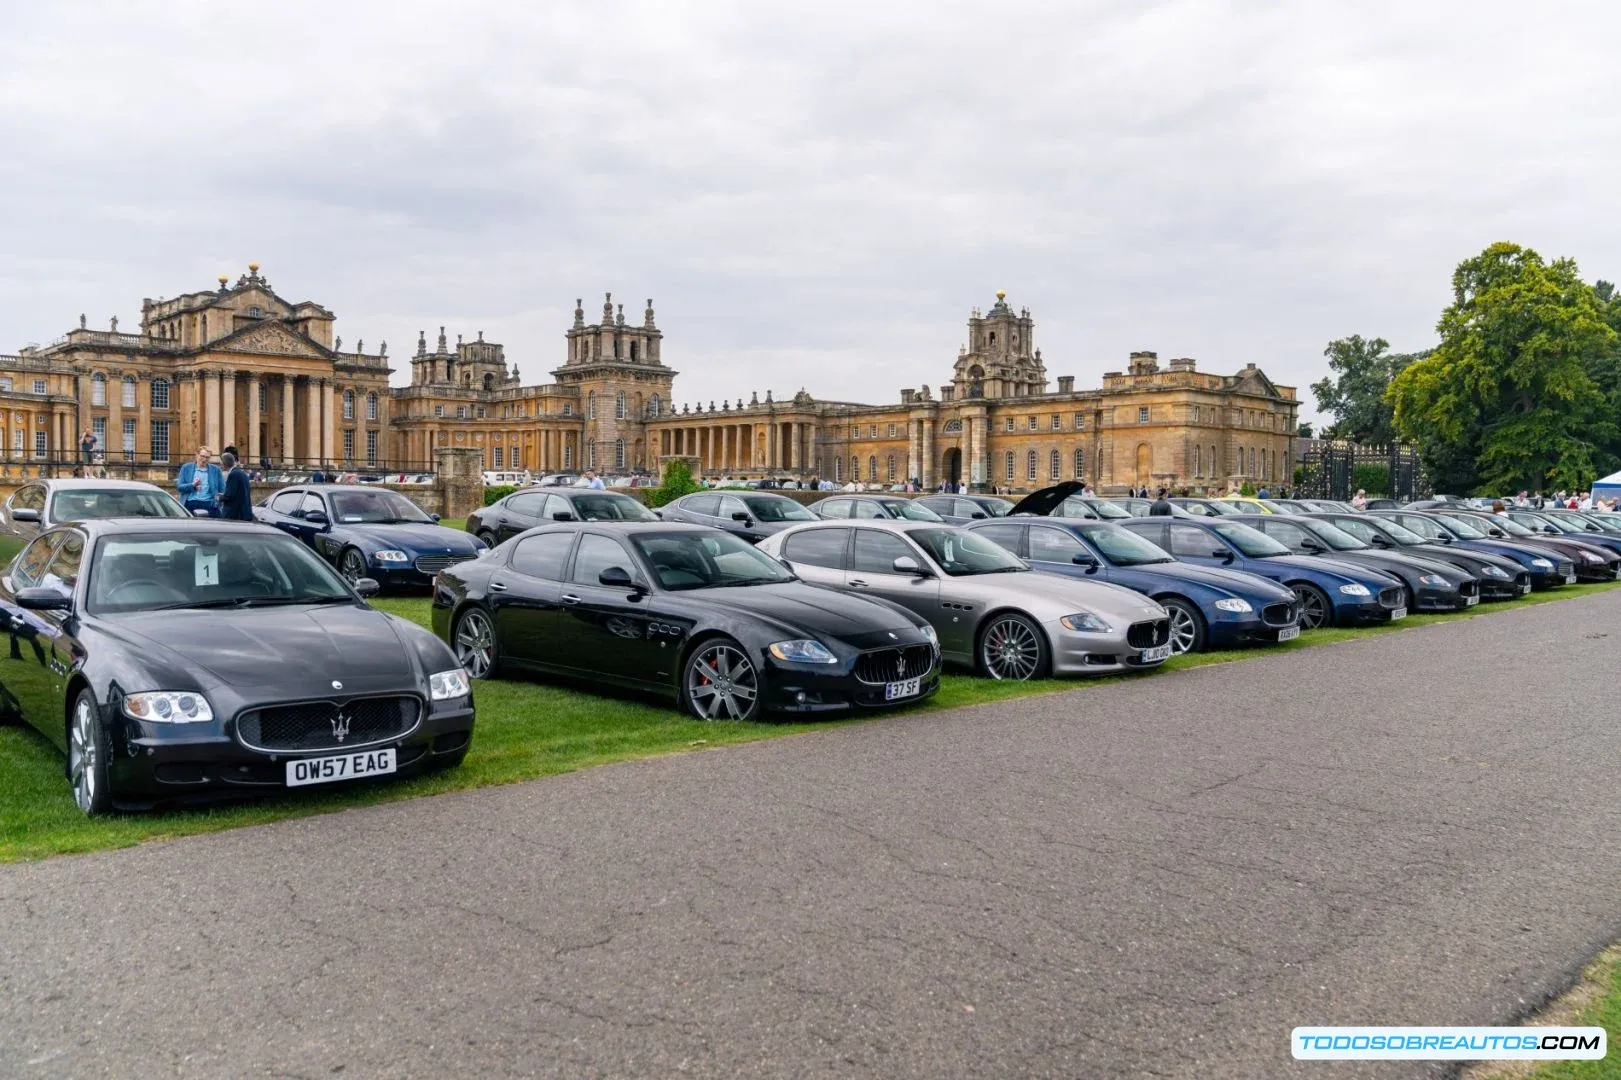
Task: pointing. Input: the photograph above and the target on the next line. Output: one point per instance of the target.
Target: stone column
(928, 455)
(312, 422)
(772, 450)
(254, 383)
(210, 410)
(113, 444)
(329, 421)
(227, 411)
(289, 445)
(143, 418)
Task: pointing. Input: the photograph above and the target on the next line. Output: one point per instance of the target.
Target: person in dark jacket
(1161, 507)
(237, 503)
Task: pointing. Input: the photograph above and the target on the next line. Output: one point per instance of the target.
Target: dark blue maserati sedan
(1210, 608)
(1331, 592)
(369, 532)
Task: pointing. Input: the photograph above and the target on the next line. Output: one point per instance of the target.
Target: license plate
(1570, 579)
(1470, 601)
(326, 770)
(907, 688)
(1398, 613)
(1288, 633)
(1524, 587)
(1154, 655)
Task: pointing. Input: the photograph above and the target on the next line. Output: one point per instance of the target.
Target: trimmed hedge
(493, 495)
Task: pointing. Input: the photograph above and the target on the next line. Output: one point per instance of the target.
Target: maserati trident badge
(336, 685)
(340, 725)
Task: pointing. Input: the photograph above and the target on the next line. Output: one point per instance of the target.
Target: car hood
(1236, 582)
(1324, 564)
(421, 539)
(273, 647)
(802, 608)
(1381, 558)
(1050, 596)
(1042, 503)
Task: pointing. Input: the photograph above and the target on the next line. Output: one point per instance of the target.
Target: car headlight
(1492, 571)
(1542, 564)
(1085, 622)
(928, 632)
(1434, 581)
(1355, 589)
(802, 651)
(1234, 603)
(448, 684)
(1588, 556)
(392, 556)
(168, 707)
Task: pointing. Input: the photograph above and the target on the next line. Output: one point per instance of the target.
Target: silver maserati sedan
(990, 609)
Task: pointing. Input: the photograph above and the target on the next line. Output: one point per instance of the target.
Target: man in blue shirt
(201, 483)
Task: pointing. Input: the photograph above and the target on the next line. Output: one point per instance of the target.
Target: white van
(506, 479)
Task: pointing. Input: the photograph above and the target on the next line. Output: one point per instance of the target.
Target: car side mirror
(1312, 546)
(25, 515)
(1223, 554)
(43, 598)
(199, 512)
(435, 517)
(1550, 530)
(979, 515)
(562, 515)
(1379, 541)
(1084, 558)
(616, 577)
(744, 518)
(316, 517)
(905, 564)
(367, 587)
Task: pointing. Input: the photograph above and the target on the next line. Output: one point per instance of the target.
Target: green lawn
(1596, 1002)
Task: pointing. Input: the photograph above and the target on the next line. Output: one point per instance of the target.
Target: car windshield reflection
(964, 554)
(1124, 548)
(775, 510)
(155, 573)
(909, 510)
(609, 506)
(685, 561)
(1251, 542)
(88, 504)
(376, 508)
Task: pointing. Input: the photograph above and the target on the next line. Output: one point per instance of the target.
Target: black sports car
(753, 515)
(368, 532)
(1501, 578)
(183, 659)
(683, 611)
(506, 518)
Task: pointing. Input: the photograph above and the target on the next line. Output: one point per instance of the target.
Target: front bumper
(1246, 630)
(1076, 653)
(802, 689)
(157, 763)
(1449, 599)
(1364, 613)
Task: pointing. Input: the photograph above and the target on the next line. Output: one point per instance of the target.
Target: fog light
(799, 698)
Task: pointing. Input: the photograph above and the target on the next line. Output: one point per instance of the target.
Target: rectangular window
(98, 427)
(1058, 422)
(1010, 428)
(498, 457)
(348, 444)
(160, 393)
(568, 455)
(160, 440)
(39, 444)
(371, 406)
(39, 386)
(873, 432)
(1008, 460)
(1080, 421)
(5, 383)
(348, 405)
(1080, 464)
(893, 430)
(128, 398)
(461, 412)
(18, 438)
(371, 448)
(481, 412)
(438, 410)
(1031, 424)
(1030, 465)
(591, 455)
(1142, 414)
(129, 439)
(98, 391)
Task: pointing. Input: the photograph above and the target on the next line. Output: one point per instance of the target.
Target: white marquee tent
(1607, 488)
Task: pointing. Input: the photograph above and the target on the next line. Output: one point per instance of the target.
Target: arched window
(128, 400)
(160, 393)
(619, 405)
(348, 404)
(1198, 461)
(1008, 464)
(1215, 462)
(872, 467)
(1252, 461)
(838, 470)
(591, 455)
(1056, 465)
(1030, 465)
(1080, 464)
(98, 389)
(891, 473)
(619, 453)
(1264, 464)
(591, 405)
(371, 405)
(855, 468)
(655, 406)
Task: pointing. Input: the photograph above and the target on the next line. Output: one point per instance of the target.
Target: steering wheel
(132, 582)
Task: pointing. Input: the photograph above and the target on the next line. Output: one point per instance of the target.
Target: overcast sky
(814, 194)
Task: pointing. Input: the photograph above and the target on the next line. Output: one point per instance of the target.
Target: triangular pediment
(270, 339)
(1253, 381)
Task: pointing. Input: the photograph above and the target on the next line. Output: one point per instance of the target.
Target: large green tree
(1514, 396)
(1354, 395)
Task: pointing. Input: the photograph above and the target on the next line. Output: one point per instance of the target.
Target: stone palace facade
(240, 365)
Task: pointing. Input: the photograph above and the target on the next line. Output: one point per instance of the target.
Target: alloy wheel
(722, 683)
(475, 643)
(1184, 631)
(488, 537)
(1009, 649)
(1313, 607)
(83, 758)
(352, 565)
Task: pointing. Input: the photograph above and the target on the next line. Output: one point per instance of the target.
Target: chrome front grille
(894, 665)
(432, 564)
(1279, 614)
(1392, 597)
(328, 725)
(1146, 635)
(1469, 588)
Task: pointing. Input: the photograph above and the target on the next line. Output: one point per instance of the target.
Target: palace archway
(951, 466)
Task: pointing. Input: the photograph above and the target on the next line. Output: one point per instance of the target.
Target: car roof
(865, 496)
(192, 526)
(95, 485)
(888, 524)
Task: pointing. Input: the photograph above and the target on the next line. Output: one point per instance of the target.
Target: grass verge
(525, 730)
(1595, 1001)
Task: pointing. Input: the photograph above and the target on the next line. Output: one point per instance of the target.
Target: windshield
(1222, 508)
(608, 506)
(1510, 526)
(1557, 522)
(1421, 526)
(777, 510)
(1336, 537)
(1401, 533)
(151, 573)
(1122, 547)
(684, 561)
(910, 510)
(963, 554)
(994, 507)
(86, 504)
(1107, 510)
(1252, 542)
(1469, 529)
(375, 508)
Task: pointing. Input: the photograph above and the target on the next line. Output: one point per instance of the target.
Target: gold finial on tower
(1001, 294)
(253, 268)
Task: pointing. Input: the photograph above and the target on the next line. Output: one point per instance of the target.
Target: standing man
(201, 484)
(87, 446)
(236, 502)
(1160, 507)
(593, 481)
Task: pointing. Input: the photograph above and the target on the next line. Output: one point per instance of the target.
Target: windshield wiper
(249, 601)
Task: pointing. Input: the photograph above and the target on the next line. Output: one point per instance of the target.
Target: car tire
(473, 640)
(1316, 610)
(87, 757)
(488, 537)
(720, 682)
(351, 564)
(1012, 647)
(1187, 626)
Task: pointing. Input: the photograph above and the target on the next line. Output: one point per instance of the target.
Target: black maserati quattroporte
(684, 611)
(195, 658)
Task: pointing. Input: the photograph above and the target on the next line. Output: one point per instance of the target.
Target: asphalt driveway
(1154, 878)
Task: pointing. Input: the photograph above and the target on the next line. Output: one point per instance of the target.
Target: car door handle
(857, 583)
(570, 598)
(498, 586)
